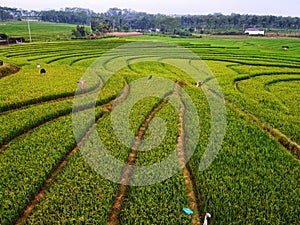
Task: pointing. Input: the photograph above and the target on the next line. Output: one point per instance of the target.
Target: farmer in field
(43, 71)
(199, 84)
(81, 84)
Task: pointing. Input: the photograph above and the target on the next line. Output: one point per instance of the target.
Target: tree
(104, 26)
(79, 32)
(3, 36)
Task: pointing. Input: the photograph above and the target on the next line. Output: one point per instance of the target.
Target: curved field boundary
(251, 63)
(68, 56)
(61, 166)
(55, 54)
(44, 99)
(26, 104)
(84, 58)
(251, 58)
(22, 53)
(27, 127)
(56, 59)
(288, 144)
(281, 138)
(247, 77)
(278, 81)
(56, 116)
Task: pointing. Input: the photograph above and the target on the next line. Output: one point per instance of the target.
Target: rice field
(46, 177)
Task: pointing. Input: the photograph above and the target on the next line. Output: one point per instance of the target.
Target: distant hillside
(40, 31)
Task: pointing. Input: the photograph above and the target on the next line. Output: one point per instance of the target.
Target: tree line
(116, 19)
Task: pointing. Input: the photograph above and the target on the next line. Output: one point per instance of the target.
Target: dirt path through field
(194, 196)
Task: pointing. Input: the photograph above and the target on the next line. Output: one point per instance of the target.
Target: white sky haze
(193, 7)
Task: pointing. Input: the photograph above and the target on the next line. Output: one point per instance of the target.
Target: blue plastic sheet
(188, 211)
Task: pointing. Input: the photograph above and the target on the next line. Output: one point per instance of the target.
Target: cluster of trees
(80, 31)
(125, 19)
(68, 15)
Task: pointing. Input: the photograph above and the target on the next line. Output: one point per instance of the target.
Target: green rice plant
(19, 121)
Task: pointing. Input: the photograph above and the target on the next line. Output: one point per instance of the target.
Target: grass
(40, 31)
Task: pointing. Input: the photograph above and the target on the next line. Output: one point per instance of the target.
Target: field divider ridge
(123, 189)
(282, 139)
(193, 195)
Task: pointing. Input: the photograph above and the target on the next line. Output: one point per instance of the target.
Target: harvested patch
(8, 69)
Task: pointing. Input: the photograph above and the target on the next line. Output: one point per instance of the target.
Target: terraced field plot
(253, 180)
(40, 31)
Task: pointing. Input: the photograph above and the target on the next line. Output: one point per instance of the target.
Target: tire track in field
(61, 166)
(193, 195)
(123, 190)
(49, 181)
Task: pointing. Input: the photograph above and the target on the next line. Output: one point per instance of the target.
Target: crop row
(36, 89)
(37, 153)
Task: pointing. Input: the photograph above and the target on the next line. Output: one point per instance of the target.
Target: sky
(170, 7)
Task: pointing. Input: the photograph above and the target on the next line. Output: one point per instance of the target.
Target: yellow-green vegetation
(253, 180)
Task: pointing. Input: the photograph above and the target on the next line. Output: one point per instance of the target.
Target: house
(153, 30)
(12, 40)
(254, 31)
